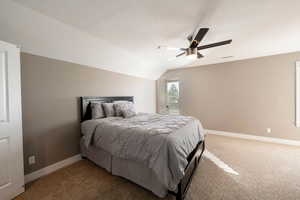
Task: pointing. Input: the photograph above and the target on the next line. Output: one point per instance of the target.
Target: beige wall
(50, 91)
(246, 96)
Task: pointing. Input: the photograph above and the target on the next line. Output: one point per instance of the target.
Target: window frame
(166, 93)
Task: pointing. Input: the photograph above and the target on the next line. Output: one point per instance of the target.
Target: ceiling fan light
(191, 53)
(192, 56)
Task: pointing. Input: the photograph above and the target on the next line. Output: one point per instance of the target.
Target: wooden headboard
(85, 105)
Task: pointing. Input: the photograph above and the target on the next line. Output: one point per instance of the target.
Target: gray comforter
(161, 142)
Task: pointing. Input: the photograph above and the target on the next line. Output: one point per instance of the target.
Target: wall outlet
(31, 160)
(269, 130)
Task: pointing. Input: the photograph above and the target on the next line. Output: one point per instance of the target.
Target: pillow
(97, 110)
(118, 107)
(109, 109)
(122, 101)
(128, 110)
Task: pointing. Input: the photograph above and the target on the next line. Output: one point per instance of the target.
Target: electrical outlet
(269, 130)
(31, 160)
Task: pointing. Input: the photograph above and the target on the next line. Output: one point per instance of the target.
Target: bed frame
(193, 159)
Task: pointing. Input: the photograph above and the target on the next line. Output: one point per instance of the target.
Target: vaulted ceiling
(257, 27)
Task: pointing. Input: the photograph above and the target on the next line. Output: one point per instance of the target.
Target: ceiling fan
(193, 50)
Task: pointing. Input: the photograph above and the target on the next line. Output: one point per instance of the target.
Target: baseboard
(254, 137)
(51, 168)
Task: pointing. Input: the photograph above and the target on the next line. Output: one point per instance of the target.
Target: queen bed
(158, 152)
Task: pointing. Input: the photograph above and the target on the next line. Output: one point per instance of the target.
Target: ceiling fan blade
(214, 44)
(198, 38)
(171, 48)
(181, 54)
(177, 49)
(199, 55)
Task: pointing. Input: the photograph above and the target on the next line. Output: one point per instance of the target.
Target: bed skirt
(131, 170)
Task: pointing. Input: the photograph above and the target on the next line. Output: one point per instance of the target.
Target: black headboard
(86, 108)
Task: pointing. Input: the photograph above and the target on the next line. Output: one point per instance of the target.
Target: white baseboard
(254, 137)
(51, 168)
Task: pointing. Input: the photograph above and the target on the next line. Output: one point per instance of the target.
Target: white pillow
(128, 110)
(117, 107)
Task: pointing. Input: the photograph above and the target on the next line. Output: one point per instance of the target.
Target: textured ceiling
(257, 27)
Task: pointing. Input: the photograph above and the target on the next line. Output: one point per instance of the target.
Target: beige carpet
(266, 172)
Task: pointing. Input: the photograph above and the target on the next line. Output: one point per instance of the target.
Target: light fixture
(191, 53)
(192, 56)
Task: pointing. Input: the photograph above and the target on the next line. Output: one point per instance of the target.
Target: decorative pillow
(128, 110)
(97, 110)
(118, 107)
(109, 109)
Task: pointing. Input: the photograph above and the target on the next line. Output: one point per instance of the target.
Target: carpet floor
(266, 172)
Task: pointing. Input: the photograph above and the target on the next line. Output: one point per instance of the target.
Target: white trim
(219, 162)
(297, 103)
(18, 191)
(254, 137)
(51, 168)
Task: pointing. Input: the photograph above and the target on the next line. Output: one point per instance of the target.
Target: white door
(11, 140)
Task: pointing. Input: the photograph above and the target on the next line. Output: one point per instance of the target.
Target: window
(173, 97)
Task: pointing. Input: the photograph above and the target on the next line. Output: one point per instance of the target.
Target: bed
(157, 152)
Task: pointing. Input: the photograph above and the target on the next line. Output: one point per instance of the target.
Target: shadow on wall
(65, 138)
